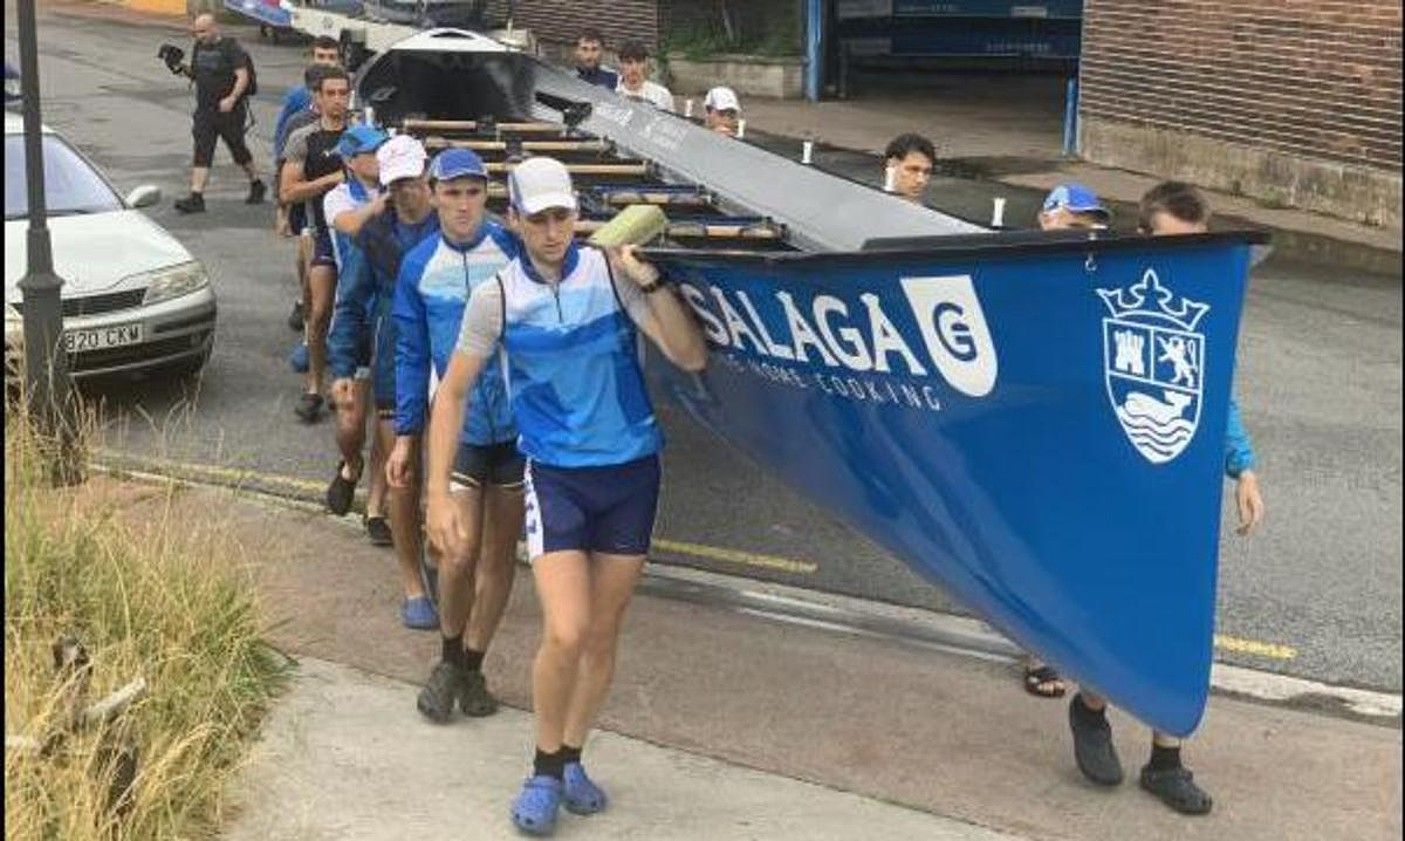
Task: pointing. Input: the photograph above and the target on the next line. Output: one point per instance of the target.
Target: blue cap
(1075, 198)
(360, 140)
(457, 163)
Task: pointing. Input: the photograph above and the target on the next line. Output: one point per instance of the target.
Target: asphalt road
(1316, 594)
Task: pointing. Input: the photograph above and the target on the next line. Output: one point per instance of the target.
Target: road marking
(1271, 650)
(736, 556)
(961, 635)
(210, 472)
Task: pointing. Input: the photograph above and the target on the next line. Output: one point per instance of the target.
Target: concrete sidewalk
(952, 738)
(344, 756)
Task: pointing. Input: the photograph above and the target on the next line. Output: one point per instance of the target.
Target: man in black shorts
(312, 169)
(223, 75)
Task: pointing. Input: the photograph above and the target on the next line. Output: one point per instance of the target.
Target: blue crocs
(297, 360)
(583, 797)
(534, 810)
(419, 614)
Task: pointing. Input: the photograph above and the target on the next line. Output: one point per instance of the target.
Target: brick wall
(1293, 101)
(561, 21)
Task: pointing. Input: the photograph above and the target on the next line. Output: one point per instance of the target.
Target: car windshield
(71, 186)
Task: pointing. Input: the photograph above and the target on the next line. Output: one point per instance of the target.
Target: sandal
(534, 810)
(583, 797)
(342, 490)
(1176, 788)
(1036, 681)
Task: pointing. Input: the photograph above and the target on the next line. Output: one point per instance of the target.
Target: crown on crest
(1149, 297)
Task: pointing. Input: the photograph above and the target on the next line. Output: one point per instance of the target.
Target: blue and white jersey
(572, 360)
(348, 195)
(435, 280)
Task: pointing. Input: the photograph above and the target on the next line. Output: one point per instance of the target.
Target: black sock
(569, 754)
(472, 660)
(1163, 759)
(453, 650)
(548, 764)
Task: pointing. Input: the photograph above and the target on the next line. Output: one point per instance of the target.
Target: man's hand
(398, 467)
(227, 104)
(444, 525)
(638, 271)
(1249, 502)
(343, 392)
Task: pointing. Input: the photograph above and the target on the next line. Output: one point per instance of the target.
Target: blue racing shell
(430, 294)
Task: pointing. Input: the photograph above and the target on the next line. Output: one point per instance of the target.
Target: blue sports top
(430, 294)
(365, 286)
(572, 360)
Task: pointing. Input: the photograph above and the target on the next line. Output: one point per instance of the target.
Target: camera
(172, 56)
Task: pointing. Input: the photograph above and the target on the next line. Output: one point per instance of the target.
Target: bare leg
(351, 429)
(199, 177)
(497, 564)
(375, 493)
(322, 283)
(563, 587)
(456, 570)
(612, 582)
(405, 528)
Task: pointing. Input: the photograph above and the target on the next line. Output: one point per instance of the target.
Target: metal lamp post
(46, 361)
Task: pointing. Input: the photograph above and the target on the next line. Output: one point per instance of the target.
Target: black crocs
(341, 491)
(1092, 744)
(1176, 788)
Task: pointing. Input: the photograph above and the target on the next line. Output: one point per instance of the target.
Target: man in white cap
(569, 318)
(364, 333)
(723, 109)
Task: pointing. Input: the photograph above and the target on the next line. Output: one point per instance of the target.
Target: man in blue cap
(346, 208)
(435, 280)
(1071, 206)
(362, 319)
(1068, 206)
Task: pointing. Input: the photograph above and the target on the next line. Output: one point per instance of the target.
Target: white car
(134, 299)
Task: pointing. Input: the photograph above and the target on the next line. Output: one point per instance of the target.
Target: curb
(962, 635)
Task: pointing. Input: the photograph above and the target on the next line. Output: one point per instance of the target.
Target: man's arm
(662, 315)
(355, 288)
(292, 181)
(351, 220)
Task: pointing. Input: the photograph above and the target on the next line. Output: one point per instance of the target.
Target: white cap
(722, 99)
(399, 157)
(538, 184)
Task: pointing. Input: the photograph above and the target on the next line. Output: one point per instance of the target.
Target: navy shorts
(322, 253)
(297, 217)
(591, 509)
(476, 465)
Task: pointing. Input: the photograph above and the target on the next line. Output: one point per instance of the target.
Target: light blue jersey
(572, 360)
(435, 280)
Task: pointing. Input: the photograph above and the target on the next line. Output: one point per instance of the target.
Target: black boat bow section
(465, 79)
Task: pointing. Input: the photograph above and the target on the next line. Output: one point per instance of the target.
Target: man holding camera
(224, 78)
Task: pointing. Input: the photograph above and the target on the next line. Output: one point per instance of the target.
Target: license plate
(97, 338)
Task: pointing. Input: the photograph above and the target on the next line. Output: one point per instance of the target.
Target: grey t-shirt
(482, 320)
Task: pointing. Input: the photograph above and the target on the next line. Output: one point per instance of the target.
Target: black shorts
(488, 464)
(297, 218)
(322, 253)
(210, 125)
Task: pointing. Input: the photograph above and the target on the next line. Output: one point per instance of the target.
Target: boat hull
(963, 412)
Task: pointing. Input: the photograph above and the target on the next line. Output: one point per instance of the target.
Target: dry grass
(169, 601)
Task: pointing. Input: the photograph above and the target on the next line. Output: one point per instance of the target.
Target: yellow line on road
(207, 472)
(736, 556)
(1271, 650)
(229, 475)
